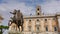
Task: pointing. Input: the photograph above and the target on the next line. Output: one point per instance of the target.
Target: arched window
(45, 20)
(38, 9)
(29, 25)
(37, 22)
(37, 19)
(37, 25)
(29, 20)
(37, 13)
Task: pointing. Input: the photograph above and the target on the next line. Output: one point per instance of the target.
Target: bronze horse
(17, 18)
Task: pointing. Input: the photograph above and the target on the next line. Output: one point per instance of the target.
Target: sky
(27, 7)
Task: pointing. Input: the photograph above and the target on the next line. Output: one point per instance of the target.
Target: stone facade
(41, 24)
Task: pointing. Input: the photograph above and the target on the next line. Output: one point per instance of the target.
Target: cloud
(8, 6)
(48, 6)
(51, 6)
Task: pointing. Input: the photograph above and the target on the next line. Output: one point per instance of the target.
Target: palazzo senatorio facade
(40, 23)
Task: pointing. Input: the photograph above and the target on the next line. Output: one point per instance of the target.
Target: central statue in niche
(17, 19)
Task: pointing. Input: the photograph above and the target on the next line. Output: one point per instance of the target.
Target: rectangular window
(55, 28)
(46, 28)
(29, 28)
(37, 29)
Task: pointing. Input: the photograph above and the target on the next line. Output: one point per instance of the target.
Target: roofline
(30, 17)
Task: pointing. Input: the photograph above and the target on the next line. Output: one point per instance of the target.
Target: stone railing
(17, 32)
(40, 32)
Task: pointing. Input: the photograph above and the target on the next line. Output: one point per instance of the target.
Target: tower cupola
(38, 10)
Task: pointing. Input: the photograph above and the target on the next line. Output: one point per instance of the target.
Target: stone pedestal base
(18, 32)
(40, 33)
(14, 32)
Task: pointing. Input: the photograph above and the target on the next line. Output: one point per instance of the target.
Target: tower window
(46, 28)
(55, 28)
(38, 13)
(38, 9)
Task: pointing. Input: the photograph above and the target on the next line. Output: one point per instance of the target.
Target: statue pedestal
(14, 32)
(13, 29)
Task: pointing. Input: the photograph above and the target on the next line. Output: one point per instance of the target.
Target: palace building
(41, 24)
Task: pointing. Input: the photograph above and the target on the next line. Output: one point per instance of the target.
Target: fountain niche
(16, 23)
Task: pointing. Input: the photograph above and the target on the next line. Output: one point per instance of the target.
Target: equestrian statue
(17, 19)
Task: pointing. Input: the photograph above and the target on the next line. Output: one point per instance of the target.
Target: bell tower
(38, 10)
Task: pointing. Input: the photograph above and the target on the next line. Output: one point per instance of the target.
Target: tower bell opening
(38, 10)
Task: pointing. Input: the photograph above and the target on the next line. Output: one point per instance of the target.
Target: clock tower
(38, 10)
